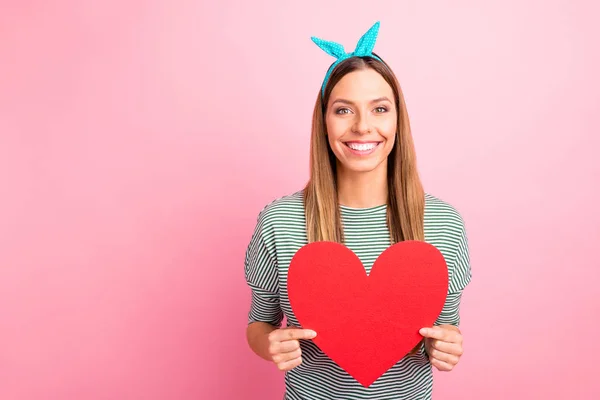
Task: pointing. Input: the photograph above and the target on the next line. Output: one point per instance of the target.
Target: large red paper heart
(367, 323)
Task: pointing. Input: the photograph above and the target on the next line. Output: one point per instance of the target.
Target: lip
(362, 152)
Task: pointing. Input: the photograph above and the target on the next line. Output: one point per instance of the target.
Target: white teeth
(362, 147)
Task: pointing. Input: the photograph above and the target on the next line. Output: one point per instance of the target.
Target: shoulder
(445, 229)
(282, 210)
(444, 226)
(440, 212)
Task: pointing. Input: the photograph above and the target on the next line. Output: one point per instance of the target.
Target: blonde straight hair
(406, 199)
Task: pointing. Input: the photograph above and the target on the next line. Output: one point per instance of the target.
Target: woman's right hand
(284, 346)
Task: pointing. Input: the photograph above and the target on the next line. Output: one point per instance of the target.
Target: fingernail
(312, 333)
(424, 331)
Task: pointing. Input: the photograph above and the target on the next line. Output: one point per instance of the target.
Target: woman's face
(361, 121)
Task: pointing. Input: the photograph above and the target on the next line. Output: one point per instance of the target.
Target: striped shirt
(281, 231)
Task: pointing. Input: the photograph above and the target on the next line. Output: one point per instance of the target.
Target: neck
(362, 189)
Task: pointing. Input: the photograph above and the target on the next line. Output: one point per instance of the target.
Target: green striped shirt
(281, 231)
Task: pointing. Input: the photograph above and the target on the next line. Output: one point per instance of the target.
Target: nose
(361, 124)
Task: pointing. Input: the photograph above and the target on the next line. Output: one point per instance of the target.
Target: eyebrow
(377, 100)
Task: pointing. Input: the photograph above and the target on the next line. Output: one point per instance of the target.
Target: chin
(362, 167)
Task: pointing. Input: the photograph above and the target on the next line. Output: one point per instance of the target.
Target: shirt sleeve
(461, 263)
(461, 277)
(262, 278)
(450, 314)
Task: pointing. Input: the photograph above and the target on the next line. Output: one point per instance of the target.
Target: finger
(441, 365)
(446, 347)
(284, 347)
(281, 335)
(285, 357)
(446, 335)
(445, 357)
(289, 365)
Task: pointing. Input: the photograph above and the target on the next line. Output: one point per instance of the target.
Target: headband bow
(364, 48)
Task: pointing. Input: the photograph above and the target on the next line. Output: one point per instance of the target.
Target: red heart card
(367, 323)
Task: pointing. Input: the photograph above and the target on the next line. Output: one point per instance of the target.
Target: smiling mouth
(362, 148)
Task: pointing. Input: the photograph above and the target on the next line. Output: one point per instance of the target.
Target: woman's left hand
(443, 344)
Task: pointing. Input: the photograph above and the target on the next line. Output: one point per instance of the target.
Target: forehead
(362, 84)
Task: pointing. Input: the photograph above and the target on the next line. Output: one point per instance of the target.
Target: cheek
(335, 129)
(388, 130)
(389, 127)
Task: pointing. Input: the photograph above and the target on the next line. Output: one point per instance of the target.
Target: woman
(364, 191)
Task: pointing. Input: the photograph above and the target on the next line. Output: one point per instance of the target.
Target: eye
(342, 110)
(381, 109)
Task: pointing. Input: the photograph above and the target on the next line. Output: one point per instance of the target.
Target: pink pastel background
(140, 139)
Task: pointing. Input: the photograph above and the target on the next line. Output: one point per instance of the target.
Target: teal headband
(364, 48)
